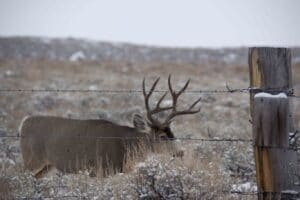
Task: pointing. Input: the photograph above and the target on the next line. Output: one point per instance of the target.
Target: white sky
(192, 23)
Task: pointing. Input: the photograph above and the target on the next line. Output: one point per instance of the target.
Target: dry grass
(5, 189)
(205, 171)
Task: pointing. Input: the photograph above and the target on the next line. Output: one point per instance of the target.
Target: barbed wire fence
(227, 90)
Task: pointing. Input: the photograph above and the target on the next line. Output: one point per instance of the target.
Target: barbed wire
(233, 140)
(289, 92)
(137, 138)
(111, 91)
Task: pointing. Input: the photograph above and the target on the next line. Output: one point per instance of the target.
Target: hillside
(75, 49)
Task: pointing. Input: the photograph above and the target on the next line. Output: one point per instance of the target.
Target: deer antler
(175, 96)
(157, 108)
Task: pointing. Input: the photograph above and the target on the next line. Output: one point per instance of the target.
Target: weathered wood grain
(276, 163)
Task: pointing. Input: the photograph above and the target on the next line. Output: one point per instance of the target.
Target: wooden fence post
(276, 162)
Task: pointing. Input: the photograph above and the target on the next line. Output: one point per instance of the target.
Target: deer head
(161, 129)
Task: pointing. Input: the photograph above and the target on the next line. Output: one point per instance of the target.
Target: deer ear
(139, 123)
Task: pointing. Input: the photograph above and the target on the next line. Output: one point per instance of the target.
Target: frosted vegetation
(208, 170)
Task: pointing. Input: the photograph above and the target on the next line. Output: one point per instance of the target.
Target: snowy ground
(209, 170)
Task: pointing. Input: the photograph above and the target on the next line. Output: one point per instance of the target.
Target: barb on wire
(228, 89)
(135, 138)
(112, 91)
(233, 140)
(240, 90)
(69, 91)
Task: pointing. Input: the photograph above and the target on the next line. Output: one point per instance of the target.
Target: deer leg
(43, 171)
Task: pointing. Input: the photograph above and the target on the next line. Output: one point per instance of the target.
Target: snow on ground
(248, 187)
(77, 56)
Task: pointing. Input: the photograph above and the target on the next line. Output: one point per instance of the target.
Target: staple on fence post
(272, 121)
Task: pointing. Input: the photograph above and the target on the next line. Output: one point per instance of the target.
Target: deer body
(70, 145)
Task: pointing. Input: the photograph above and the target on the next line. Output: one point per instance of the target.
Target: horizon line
(137, 44)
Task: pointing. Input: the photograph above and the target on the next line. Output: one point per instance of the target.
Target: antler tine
(180, 91)
(144, 88)
(195, 103)
(173, 93)
(157, 109)
(169, 83)
(146, 97)
(153, 86)
(175, 98)
(161, 99)
(184, 112)
(184, 87)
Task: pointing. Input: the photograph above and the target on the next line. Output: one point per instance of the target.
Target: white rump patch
(267, 95)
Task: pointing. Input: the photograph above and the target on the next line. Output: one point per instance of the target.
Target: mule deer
(70, 145)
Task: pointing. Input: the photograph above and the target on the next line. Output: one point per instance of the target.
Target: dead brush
(5, 189)
(163, 176)
(143, 150)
